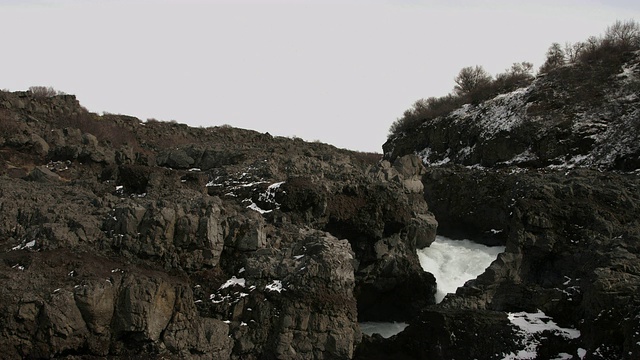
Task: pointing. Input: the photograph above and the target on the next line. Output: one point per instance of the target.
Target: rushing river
(454, 262)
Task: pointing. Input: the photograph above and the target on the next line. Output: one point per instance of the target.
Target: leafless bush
(471, 78)
(624, 34)
(44, 91)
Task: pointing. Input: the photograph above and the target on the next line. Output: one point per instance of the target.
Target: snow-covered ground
(454, 262)
(529, 326)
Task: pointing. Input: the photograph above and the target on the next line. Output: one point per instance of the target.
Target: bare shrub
(471, 78)
(519, 75)
(44, 91)
(625, 34)
(555, 58)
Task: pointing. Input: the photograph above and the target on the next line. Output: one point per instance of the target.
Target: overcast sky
(336, 71)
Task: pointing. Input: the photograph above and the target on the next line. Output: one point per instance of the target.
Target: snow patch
(257, 208)
(233, 282)
(275, 285)
(426, 154)
(529, 325)
(28, 245)
(525, 156)
(563, 356)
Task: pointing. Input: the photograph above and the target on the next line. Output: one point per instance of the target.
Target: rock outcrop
(549, 171)
(121, 238)
(578, 115)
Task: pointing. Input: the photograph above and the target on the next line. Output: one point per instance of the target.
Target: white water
(454, 262)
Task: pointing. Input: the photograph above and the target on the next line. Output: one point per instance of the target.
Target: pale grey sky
(336, 71)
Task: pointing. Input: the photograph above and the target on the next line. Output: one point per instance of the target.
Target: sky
(340, 72)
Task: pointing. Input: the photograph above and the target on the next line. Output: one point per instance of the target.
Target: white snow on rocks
(23, 245)
(275, 285)
(268, 197)
(502, 113)
(529, 326)
(607, 131)
(233, 282)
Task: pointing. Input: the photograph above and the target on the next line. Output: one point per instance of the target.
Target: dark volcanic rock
(534, 170)
(583, 114)
(78, 304)
(128, 239)
(446, 334)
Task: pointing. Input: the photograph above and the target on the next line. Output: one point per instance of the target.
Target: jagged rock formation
(122, 238)
(578, 115)
(550, 171)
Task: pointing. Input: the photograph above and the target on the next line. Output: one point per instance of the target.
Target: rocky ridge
(550, 171)
(578, 115)
(125, 238)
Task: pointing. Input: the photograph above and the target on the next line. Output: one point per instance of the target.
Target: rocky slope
(124, 238)
(583, 114)
(552, 172)
(121, 238)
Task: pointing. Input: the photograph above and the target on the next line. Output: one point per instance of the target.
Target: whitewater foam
(454, 262)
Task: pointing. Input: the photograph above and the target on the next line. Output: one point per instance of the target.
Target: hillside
(121, 238)
(552, 172)
(583, 114)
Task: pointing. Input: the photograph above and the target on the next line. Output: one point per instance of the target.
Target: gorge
(121, 238)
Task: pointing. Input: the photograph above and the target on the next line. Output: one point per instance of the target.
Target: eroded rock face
(127, 239)
(298, 303)
(550, 172)
(571, 251)
(99, 309)
(578, 115)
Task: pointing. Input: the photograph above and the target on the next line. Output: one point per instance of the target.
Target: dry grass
(105, 130)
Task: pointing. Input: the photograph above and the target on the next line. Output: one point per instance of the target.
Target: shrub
(470, 79)
(474, 84)
(44, 91)
(620, 37)
(625, 34)
(423, 110)
(555, 58)
(519, 75)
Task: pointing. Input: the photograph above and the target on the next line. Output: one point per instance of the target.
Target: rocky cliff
(124, 238)
(551, 171)
(121, 238)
